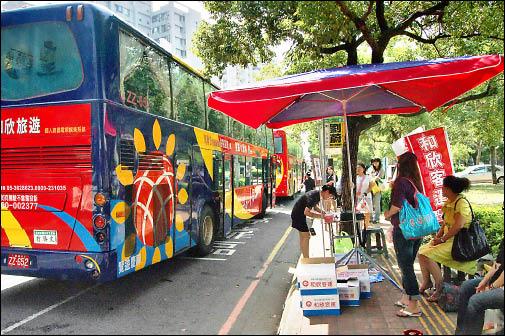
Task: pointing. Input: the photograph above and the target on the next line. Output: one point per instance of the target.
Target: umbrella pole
(358, 249)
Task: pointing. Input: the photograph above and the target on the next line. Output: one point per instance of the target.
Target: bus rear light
(100, 199)
(99, 222)
(80, 12)
(78, 259)
(100, 237)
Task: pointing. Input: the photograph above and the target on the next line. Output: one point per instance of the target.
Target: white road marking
(9, 281)
(214, 259)
(48, 309)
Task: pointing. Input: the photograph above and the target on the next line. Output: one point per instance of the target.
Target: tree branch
(359, 23)
(341, 47)
(432, 10)
(379, 13)
(369, 10)
(491, 90)
(423, 40)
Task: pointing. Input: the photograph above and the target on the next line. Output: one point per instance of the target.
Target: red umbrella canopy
(387, 88)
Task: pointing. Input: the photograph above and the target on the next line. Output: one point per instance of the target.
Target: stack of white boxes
(317, 282)
(348, 275)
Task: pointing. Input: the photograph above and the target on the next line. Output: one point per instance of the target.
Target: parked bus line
(111, 160)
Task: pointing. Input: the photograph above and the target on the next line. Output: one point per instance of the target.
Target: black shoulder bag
(470, 244)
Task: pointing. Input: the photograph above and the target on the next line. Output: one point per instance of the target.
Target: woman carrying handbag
(457, 215)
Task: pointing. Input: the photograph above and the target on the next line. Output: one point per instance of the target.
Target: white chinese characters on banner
(432, 149)
(20, 126)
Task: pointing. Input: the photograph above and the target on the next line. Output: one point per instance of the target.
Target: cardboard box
(359, 272)
(316, 276)
(349, 292)
(317, 305)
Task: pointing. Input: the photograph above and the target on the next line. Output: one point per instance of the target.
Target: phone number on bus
(34, 188)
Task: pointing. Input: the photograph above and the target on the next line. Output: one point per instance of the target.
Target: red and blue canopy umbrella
(387, 88)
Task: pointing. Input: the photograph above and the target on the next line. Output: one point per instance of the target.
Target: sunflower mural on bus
(153, 203)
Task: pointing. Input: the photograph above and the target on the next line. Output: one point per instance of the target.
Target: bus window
(237, 130)
(39, 59)
(218, 122)
(278, 145)
(188, 97)
(257, 170)
(227, 175)
(249, 178)
(239, 171)
(249, 134)
(144, 77)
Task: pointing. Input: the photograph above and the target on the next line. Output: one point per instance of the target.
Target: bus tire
(264, 204)
(206, 232)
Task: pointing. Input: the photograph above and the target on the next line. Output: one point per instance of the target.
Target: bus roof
(105, 12)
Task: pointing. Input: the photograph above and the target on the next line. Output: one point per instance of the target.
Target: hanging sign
(334, 134)
(434, 157)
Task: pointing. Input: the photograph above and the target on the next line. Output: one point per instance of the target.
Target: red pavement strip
(373, 316)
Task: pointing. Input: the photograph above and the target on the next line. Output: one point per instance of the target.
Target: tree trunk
(479, 153)
(355, 126)
(493, 162)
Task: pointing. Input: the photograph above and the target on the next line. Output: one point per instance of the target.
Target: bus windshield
(39, 59)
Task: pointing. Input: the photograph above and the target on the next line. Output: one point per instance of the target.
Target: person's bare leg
(304, 243)
(438, 278)
(423, 263)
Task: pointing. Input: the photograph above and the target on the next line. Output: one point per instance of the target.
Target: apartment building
(136, 13)
(173, 26)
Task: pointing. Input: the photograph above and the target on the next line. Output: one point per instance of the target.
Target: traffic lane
(178, 296)
(28, 298)
(263, 312)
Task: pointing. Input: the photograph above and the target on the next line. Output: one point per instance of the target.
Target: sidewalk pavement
(373, 316)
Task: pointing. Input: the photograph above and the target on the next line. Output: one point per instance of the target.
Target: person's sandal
(422, 290)
(406, 313)
(433, 297)
(400, 304)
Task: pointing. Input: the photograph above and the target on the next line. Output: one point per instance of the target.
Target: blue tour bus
(111, 159)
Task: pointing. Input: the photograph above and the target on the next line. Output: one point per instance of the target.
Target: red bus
(111, 160)
(290, 167)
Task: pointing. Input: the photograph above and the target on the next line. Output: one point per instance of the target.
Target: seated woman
(456, 214)
(477, 295)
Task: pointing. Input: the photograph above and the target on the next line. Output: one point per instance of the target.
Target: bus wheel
(206, 232)
(264, 204)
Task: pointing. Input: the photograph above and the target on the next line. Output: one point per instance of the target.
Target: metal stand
(360, 253)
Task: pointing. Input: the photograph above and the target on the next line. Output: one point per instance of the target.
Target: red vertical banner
(433, 153)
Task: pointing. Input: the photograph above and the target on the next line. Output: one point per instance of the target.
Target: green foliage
(330, 34)
(385, 199)
(491, 220)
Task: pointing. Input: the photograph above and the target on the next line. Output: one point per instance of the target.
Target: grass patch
(485, 194)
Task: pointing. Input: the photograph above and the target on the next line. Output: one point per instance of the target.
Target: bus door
(183, 170)
(272, 166)
(227, 200)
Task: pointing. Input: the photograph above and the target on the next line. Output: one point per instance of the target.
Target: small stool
(380, 241)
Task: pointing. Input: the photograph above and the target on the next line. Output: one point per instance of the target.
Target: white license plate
(49, 237)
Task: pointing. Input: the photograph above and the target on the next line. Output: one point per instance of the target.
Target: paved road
(239, 289)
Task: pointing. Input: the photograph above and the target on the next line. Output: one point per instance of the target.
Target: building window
(180, 18)
(119, 8)
(180, 29)
(127, 12)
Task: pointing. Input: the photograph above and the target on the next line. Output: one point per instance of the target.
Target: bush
(385, 199)
(491, 220)
(490, 217)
